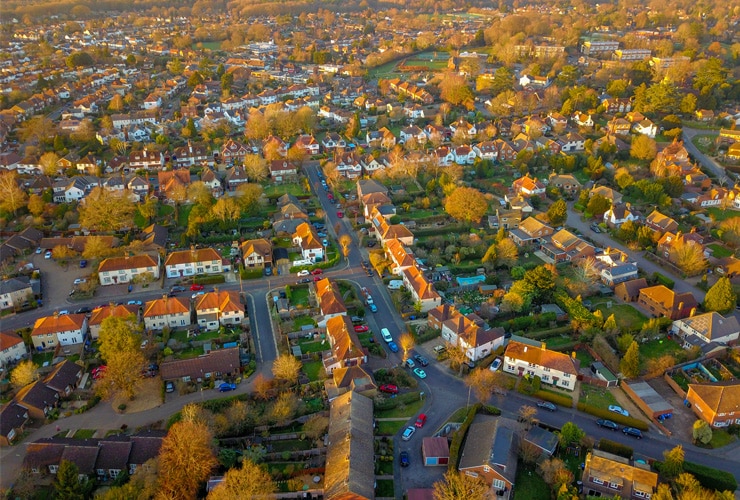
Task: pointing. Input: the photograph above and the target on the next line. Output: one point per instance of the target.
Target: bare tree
(527, 416)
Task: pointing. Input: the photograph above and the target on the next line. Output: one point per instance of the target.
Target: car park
(421, 359)
(361, 328)
(495, 365)
(408, 433)
(388, 388)
(409, 363)
(631, 431)
(420, 373)
(607, 424)
(386, 334)
(619, 409)
(392, 346)
(226, 387)
(403, 458)
(196, 288)
(421, 420)
(547, 405)
(305, 272)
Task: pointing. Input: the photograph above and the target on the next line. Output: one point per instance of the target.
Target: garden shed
(436, 451)
(648, 400)
(603, 373)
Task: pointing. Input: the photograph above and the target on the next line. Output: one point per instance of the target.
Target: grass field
(720, 438)
(408, 408)
(385, 488)
(281, 189)
(390, 428)
(529, 484)
(312, 369)
(719, 251)
(719, 214)
(599, 397)
(659, 347)
(627, 317)
(183, 215)
(84, 433)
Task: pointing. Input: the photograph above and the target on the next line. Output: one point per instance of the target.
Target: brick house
(256, 253)
(346, 349)
(492, 455)
(609, 475)
(718, 404)
(660, 301)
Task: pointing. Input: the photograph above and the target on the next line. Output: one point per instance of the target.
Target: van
(395, 284)
(386, 335)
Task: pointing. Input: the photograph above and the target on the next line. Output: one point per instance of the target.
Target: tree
(116, 103)
(248, 196)
(257, 127)
(701, 432)
(256, 167)
(624, 342)
(598, 204)
(120, 347)
(554, 472)
(507, 253)
(406, 341)
(570, 434)
(345, 241)
(457, 356)
(247, 482)
(459, 486)
(36, 205)
(630, 363)
(226, 210)
(466, 204)
(316, 426)
(688, 256)
(454, 89)
(286, 367)
(483, 383)
(527, 416)
(96, 247)
(67, 483)
(672, 462)
(284, 408)
(643, 147)
(12, 197)
(24, 373)
(106, 211)
(557, 213)
(200, 194)
(186, 459)
(36, 130)
(721, 297)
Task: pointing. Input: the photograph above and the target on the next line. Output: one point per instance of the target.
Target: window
(471, 473)
(566, 375)
(499, 484)
(486, 468)
(614, 486)
(546, 369)
(596, 480)
(565, 383)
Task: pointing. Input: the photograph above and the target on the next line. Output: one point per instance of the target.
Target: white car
(619, 409)
(79, 281)
(408, 432)
(495, 365)
(303, 273)
(386, 335)
(47, 255)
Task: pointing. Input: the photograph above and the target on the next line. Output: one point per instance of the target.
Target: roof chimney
(543, 346)
(573, 354)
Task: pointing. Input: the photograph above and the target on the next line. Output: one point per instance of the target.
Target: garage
(436, 451)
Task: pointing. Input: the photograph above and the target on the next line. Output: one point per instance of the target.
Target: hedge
(459, 436)
(708, 477)
(210, 280)
(610, 446)
(319, 265)
(615, 417)
(575, 309)
(389, 403)
(664, 280)
(558, 399)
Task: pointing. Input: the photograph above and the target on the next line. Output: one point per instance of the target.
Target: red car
(421, 420)
(340, 214)
(316, 272)
(361, 329)
(389, 388)
(196, 288)
(316, 279)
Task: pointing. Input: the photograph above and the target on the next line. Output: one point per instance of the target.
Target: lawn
(410, 406)
(390, 428)
(719, 251)
(529, 484)
(628, 318)
(599, 397)
(299, 296)
(659, 347)
(183, 215)
(308, 346)
(720, 438)
(559, 342)
(290, 445)
(276, 190)
(84, 433)
(584, 357)
(312, 369)
(385, 488)
(303, 321)
(719, 214)
(40, 358)
(572, 461)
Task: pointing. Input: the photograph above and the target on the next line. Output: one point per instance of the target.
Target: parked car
(316, 272)
(305, 272)
(595, 228)
(196, 288)
(196, 294)
(404, 458)
(386, 334)
(408, 432)
(421, 359)
(47, 255)
(177, 288)
(361, 328)
(392, 346)
(421, 420)
(420, 373)
(631, 431)
(340, 214)
(409, 363)
(303, 280)
(83, 310)
(63, 312)
(607, 424)
(226, 387)
(169, 387)
(373, 308)
(39, 250)
(388, 388)
(134, 303)
(619, 409)
(369, 272)
(547, 405)
(371, 243)
(83, 264)
(79, 281)
(495, 365)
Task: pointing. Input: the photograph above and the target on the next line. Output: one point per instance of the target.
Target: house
(329, 299)
(59, 329)
(527, 187)
(350, 379)
(219, 308)
(615, 267)
(492, 455)
(208, 177)
(565, 246)
(38, 399)
(645, 127)
(422, 291)
(728, 266)
(193, 262)
(309, 144)
(173, 182)
(384, 231)
(583, 119)
(332, 140)
(401, 257)
(128, 269)
(702, 329)
(554, 368)
(571, 143)
(369, 186)
(435, 451)
(486, 150)
(660, 301)
(661, 223)
(619, 213)
(629, 291)
(529, 232)
(307, 239)
(469, 332)
(606, 192)
(15, 293)
(112, 310)
(212, 365)
(618, 126)
(256, 253)
(13, 419)
(12, 348)
(669, 242)
(235, 176)
(542, 439)
(350, 464)
(282, 171)
(64, 378)
(412, 132)
(605, 474)
(173, 312)
(233, 152)
(718, 403)
(346, 349)
(566, 183)
(192, 155)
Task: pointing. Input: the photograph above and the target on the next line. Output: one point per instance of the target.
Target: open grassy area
(599, 397)
(183, 214)
(384, 488)
(39, 358)
(628, 318)
(573, 461)
(390, 428)
(303, 321)
(276, 190)
(314, 346)
(299, 296)
(411, 405)
(719, 251)
(529, 484)
(720, 214)
(312, 369)
(659, 347)
(720, 438)
(584, 357)
(291, 445)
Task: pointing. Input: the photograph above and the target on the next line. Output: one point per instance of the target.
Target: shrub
(459, 436)
(558, 399)
(616, 417)
(711, 478)
(664, 280)
(616, 448)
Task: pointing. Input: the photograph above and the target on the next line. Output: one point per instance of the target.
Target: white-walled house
(193, 262)
(553, 368)
(116, 270)
(218, 308)
(705, 328)
(167, 311)
(59, 329)
(12, 348)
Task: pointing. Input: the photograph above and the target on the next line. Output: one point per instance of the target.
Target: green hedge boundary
(712, 479)
(210, 280)
(615, 417)
(459, 436)
(558, 399)
(610, 446)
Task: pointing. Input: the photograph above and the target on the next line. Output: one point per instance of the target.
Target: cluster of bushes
(708, 477)
(89, 405)
(610, 415)
(575, 309)
(529, 385)
(426, 334)
(390, 403)
(663, 280)
(610, 446)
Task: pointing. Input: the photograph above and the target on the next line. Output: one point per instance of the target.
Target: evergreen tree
(721, 297)
(630, 363)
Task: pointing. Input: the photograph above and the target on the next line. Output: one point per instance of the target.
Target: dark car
(226, 387)
(631, 431)
(421, 359)
(547, 406)
(371, 243)
(169, 387)
(176, 289)
(404, 459)
(607, 424)
(83, 310)
(303, 280)
(83, 264)
(369, 272)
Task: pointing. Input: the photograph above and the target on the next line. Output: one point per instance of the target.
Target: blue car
(392, 346)
(373, 308)
(226, 387)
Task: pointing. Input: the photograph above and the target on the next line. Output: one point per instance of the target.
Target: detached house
(12, 348)
(167, 311)
(193, 262)
(470, 332)
(422, 291)
(619, 213)
(329, 299)
(492, 455)
(171, 181)
(59, 329)
(611, 475)
(214, 309)
(554, 368)
(346, 349)
(704, 329)
(566, 183)
(661, 223)
(527, 187)
(529, 232)
(718, 404)
(307, 239)
(660, 301)
(256, 253)
(116, 270)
